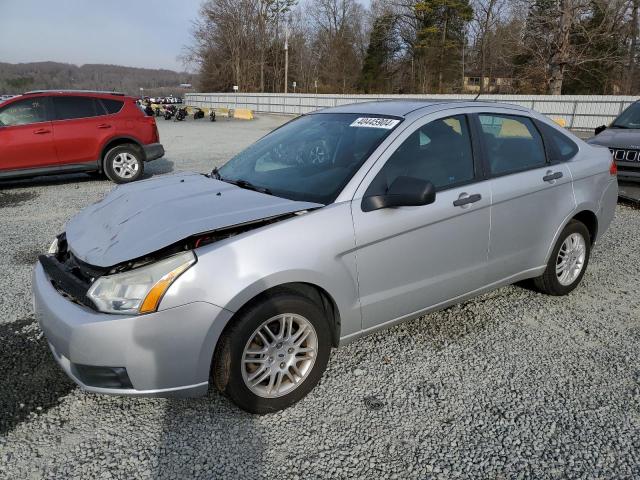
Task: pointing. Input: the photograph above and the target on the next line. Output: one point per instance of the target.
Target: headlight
(139, 290)
(53, 249)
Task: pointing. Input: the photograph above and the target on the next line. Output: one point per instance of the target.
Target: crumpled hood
(136, 219)
(617, 138)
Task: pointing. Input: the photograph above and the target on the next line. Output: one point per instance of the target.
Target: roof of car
(79, 92)
(402, 108)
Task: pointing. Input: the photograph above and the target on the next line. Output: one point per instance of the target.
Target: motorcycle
(199, 113)
(169, 112)
(212, 115)
(181, 114)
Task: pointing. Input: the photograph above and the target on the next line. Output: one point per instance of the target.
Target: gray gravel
(512, 384)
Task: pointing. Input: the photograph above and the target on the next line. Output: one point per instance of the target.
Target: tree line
(410, 46)
(21, 77)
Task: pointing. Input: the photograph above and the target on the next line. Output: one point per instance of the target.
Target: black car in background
(622, 137)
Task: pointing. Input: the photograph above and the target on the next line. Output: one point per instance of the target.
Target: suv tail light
(613, 168)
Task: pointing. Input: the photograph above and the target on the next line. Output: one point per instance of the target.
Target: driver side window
(439, 152)
(24, 112)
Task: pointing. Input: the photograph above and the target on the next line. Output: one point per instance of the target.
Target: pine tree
(440, 39)
(376, 68)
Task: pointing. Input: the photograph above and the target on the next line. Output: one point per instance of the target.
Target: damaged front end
(81, 282)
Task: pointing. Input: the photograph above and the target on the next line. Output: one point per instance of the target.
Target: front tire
(273, 354)
(568, 261)
(124, 164)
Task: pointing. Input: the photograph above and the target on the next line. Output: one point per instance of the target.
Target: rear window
(68, 108)
(564, 146)
(112, 106)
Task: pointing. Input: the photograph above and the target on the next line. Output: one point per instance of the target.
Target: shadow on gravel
(27, 256)
(158, 167)
(48, 181)
(14, 199)
(31, 382)
(209, 438)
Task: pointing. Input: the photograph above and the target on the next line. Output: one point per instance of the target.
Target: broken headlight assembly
(141, 289)
(53, 248)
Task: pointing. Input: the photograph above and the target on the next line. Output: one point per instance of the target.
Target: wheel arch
(584, 215)
(315, 292)
(310, 290)
(116, 142)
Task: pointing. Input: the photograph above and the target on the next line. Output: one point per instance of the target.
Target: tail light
(613, 168)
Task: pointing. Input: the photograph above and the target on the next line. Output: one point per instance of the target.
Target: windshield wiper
(215, 174)
(619, 126)
(240, 183)
(250, 186)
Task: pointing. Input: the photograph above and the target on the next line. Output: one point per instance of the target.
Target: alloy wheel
(570, 260)
(125, 165)
(279, 355)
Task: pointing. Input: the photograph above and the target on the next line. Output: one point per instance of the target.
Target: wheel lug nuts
(282, 365)
(290, 350)
(270, 359)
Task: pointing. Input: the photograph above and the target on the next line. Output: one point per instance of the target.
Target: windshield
(630, 118)
(310, 158)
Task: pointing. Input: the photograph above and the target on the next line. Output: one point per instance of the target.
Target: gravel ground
(512, 384)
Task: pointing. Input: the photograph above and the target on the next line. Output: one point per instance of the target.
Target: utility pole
(464, 42)
(286, 58)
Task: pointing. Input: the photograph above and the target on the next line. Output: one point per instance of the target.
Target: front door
(412, 258)
(26, 135)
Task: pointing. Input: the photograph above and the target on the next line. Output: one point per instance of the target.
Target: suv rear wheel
(273, 354)
(123, 164)
(568, 261)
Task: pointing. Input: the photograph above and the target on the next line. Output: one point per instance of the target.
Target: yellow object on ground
(243, 113)
(560, 121)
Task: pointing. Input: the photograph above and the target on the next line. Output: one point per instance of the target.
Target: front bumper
(153, 151)
(166, 353)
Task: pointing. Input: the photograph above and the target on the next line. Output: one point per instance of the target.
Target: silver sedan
(339, 223)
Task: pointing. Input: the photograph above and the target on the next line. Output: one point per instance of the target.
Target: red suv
(46, 132)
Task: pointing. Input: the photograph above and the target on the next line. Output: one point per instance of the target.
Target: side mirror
(403, 192)
(600, 129)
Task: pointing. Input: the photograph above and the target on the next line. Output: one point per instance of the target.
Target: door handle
(551, 176)
(465, 199)
(41, 131)
(104, 125)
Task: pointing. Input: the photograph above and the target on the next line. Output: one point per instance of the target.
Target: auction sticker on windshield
(375, 122)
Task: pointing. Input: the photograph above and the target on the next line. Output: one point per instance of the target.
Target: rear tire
(568, 261)
(124, 163)
(290, 370)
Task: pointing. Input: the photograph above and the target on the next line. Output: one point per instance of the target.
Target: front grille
(66, 279)
(625, 155)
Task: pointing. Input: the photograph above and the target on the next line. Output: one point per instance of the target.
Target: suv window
(564, 146)
(67, 108)
(24, 112)
(439, 152)
(513, 143)
(112, 106)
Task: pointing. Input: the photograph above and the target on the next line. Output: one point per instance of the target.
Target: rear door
(412, 258)
(532, 195)
(80, 129)
(26, 135)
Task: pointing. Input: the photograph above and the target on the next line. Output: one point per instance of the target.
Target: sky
(137, 33)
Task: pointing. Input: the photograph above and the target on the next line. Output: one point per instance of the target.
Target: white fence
(580, 112)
